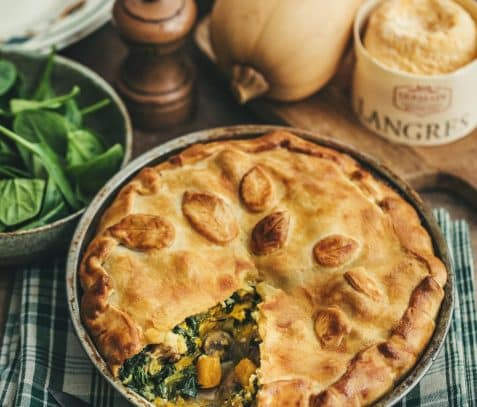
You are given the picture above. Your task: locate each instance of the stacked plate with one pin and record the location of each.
(32, 25)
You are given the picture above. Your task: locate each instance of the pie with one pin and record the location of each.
(260, 272)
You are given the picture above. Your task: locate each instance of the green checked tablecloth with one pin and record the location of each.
(40, 349)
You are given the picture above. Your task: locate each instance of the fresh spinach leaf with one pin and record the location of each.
(56, 213)
(8, 76)
(19, 105)
(43, 126)
(52, 208)
(82, 198)
(82, 147)
(21, 200)
(7, 154)
(4, 113)
(21, 89)
(33, 163)
(50, 161)
(95, 107)
(93, 174)
(52, 197)
(44, 90)
(73, 114)
(40, 126)
(9, 171)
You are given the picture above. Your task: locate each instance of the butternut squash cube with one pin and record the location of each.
(209, 371)
(244, 369)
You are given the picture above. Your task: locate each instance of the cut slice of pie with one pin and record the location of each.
(216, 351)
(268, 272)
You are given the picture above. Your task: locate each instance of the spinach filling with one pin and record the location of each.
(218, 367)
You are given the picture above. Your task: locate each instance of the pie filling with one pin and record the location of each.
(212, 361)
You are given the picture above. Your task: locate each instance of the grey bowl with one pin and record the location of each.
(112, 123)
(87, 226)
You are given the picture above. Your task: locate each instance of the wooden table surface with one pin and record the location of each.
(103, 51)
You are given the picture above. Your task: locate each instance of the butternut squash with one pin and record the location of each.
(283, 49)
(244, 369)
(209, 371)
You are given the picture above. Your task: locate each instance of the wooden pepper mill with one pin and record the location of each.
(156, 79)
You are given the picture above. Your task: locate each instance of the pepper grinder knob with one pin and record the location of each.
(156, 79)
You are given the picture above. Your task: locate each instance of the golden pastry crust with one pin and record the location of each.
(349, 282)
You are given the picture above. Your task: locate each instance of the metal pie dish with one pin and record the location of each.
(88, 224)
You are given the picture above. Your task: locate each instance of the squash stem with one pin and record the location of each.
(247, 83)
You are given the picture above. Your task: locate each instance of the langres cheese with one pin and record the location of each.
(427, 37)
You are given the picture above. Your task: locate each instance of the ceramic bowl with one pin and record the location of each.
(88, 224)
(420, 110)
(111, 122)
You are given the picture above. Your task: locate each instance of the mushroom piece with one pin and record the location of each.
(217, 343)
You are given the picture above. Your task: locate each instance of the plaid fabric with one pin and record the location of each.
(40, 349)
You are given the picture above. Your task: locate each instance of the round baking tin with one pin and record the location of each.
(88, 223)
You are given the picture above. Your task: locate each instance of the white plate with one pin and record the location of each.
(38, 25)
